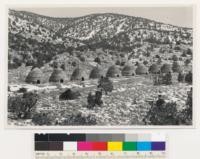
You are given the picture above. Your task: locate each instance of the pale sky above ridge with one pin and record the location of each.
(179, 16)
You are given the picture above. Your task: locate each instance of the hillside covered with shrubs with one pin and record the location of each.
(98, 69)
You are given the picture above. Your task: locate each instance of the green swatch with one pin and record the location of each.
(129, 146)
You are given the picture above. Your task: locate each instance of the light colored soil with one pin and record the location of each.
(127, 104)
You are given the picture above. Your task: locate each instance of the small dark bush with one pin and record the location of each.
(188, 77)
(94, 100)
(187, 62)
(145, 62)
(174, 58)
(167, 79)
(176, 67)
(98, 98)
(74, 64)
(22, 90)
(184, 54)
(82, 58)
(63, 66)
(181, 77)
(105, 84)
(189, 51)
(123, 63)
(97, 60)
(91, 101)
(118, 62)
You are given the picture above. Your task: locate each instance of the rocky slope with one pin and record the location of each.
(41, 37)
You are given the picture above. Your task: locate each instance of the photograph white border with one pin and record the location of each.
(94, 127)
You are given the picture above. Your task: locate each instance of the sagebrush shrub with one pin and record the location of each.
(188, 77)
(43, 118)
(94, 100)
(105, 84)
(80, 119)
(23, 106)
(165, 114)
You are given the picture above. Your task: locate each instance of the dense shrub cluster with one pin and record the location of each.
(23, 106)
(43, 118)
(162, 113)
(80, 119)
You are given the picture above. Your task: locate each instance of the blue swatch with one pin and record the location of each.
(144, 146)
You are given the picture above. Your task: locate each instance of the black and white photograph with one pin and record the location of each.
(100, 66)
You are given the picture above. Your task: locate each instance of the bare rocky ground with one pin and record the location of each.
(126, 105)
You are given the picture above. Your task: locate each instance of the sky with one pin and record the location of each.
(179, 16)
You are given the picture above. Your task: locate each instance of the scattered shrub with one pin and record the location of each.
(176, 67)
(188, 77)
(91, 101)
(157, 56)
(186, 114)
(97, 60)
(43, 118)
(162, 113)
(82, 58)
(184, 54)
(63, 67)
(118, 62)
(187, 62)
(94, 100)
(181, 77)
(55, 64)
(159, 61)
(80, 119)
(123, 63)
(174, 58)
(105, 84)
(165, 114)
(122, 55)
(74, 64)
(98, 98)
(22, 90)
(167, 79)
(23, 106)
(189, 51)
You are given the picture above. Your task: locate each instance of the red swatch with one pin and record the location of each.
(99, 146)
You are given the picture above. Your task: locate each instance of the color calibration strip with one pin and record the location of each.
(100, 145)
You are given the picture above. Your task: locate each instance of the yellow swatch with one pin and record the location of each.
(114, 146)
